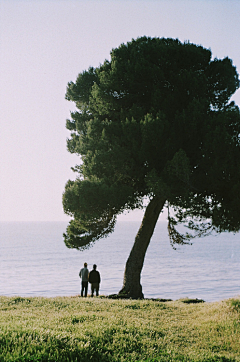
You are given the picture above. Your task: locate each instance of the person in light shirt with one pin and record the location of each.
(84, 275)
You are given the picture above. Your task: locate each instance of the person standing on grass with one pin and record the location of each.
(94, 279)
(84, 275)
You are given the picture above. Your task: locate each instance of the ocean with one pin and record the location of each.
(34, 261)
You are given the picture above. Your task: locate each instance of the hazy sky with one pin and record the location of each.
(44, 44)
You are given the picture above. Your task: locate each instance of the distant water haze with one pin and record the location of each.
(34, 261)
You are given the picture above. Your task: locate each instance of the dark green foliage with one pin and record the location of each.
(235, 304)
(156, 120)
(36, 348)
(220, 359)
(192, 301)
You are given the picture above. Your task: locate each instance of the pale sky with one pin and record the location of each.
(44, 44)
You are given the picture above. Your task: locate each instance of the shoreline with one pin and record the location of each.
(117, 297)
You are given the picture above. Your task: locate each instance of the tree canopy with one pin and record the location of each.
(155, 122)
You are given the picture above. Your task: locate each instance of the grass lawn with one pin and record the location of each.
(101, 329)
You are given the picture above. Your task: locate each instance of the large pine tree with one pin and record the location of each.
(155, 122)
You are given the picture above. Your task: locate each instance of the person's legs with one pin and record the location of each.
(82, 289)
(97, 289)
(95, 286)
(86, 288)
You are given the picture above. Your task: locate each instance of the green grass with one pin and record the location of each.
(106, 330)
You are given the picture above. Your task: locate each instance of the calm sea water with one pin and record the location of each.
(34, 261)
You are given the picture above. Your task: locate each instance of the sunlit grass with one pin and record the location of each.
(100, 329)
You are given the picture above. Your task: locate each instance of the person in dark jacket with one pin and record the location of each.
(94, 279)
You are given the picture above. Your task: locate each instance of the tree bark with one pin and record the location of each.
(131, 281)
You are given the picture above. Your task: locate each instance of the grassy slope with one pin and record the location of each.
(100, 329)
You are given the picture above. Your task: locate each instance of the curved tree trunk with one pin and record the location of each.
(131, 282)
